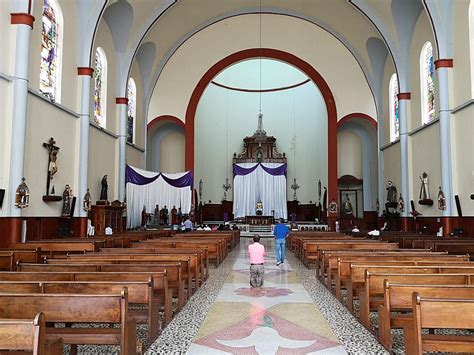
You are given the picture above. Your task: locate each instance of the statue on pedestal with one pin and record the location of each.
(87, 201)
(104, 188)
(391, 192)
(424, 191)
(67, 197)
(441, 200)
(156, 215)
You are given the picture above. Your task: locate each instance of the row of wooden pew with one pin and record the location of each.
(401, 288)
(129, 279)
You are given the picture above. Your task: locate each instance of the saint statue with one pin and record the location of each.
(67, 197)
(103, 191)
(424, 191)
(441, 200)
(401, 204)
(391, 192)
(347, 206)
(144, 218)
(174, 215)
(156, 215)
(179, 216)
(87, 201)
(165, 215)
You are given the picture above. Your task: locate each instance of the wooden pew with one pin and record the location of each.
(348, 268)
(27, 335)
(356, 279)
(441, 313)
(28, 256)
(372, 295)
(6, 261)
(139, 293)
(396, 311)
(77, 308)
(160, 282)
(173, 272)
(51, 248)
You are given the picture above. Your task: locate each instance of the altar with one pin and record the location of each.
(260, 220)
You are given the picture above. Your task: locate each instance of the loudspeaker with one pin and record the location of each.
(472, 197)
(412, 204)
(458, 205)
(73, 205)
(2, 195)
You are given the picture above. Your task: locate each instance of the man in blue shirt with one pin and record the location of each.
(280, 232)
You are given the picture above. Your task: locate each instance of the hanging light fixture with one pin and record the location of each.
(260, 129)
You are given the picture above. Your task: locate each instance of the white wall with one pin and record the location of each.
(224, 117)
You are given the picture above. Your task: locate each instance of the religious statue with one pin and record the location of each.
(424, 191)
(144, 218)
(391, 192)
(103, 190)
(441, 200)
(179, 216)
(401, 204)
(156, 215)
(259, 154)
(67, 197)
(259, 208)
(53, 155)
(87, 201)
(174, 216)
(347, 206)
(165, 215)
(22, 195)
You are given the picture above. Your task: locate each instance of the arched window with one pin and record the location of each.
(427, 83)
(393, 107)
(51, 40)
(100, 87)
(471, 41)
(132, 109)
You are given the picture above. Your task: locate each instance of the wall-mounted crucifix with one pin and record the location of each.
(52, 166)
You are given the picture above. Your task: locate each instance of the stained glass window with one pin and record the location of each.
(50, 50)
(427, 83)
(131, 110)
(100, 87)
(394, 109)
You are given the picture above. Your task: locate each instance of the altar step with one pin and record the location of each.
(260, 229)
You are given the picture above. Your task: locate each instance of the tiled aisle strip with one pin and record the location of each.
(292, 314)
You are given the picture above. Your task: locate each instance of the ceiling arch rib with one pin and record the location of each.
(440, 14)
(366, 69)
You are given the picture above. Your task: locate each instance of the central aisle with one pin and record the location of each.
(292, 313)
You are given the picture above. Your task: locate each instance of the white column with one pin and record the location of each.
(24, 23)
(380, 166)
(122, 103)
(442, 67)
(85, 75)
(403, 101)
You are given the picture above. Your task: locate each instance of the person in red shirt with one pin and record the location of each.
(256, 254)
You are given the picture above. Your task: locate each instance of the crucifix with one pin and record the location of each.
(52, 166)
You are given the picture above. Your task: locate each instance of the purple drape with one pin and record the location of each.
(131, 176)
(279, 170)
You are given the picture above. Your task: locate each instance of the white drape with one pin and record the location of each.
(158, 192)
(260, 186)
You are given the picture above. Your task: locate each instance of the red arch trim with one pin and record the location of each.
(285, 57)
(353, 115)
(166, 118)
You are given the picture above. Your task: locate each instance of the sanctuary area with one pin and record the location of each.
(150, 149)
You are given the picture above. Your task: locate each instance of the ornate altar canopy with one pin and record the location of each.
(260, 175)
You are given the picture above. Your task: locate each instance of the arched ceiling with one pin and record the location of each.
(163, 25)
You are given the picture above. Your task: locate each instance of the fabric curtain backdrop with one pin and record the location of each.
(148, 188)
(260, 182)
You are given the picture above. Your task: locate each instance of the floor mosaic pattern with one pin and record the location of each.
(291, 314)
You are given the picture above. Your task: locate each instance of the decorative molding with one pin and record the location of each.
(121, 101)
(388, 145)
(443, 63)
(135, 147)
(59, 106)
(165, 118)
(404, 96)
(463, 106)
(95, 125)
(85, 71)
(21, 18)
(422, 127)
(353, 115)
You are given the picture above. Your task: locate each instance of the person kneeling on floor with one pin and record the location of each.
(256, 254)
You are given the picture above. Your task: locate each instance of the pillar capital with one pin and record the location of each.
(21, 18)
(85, 71)
(404, 96)
(444, 63)
(121, 101)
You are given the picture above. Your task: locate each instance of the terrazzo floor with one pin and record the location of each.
(292, 313)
